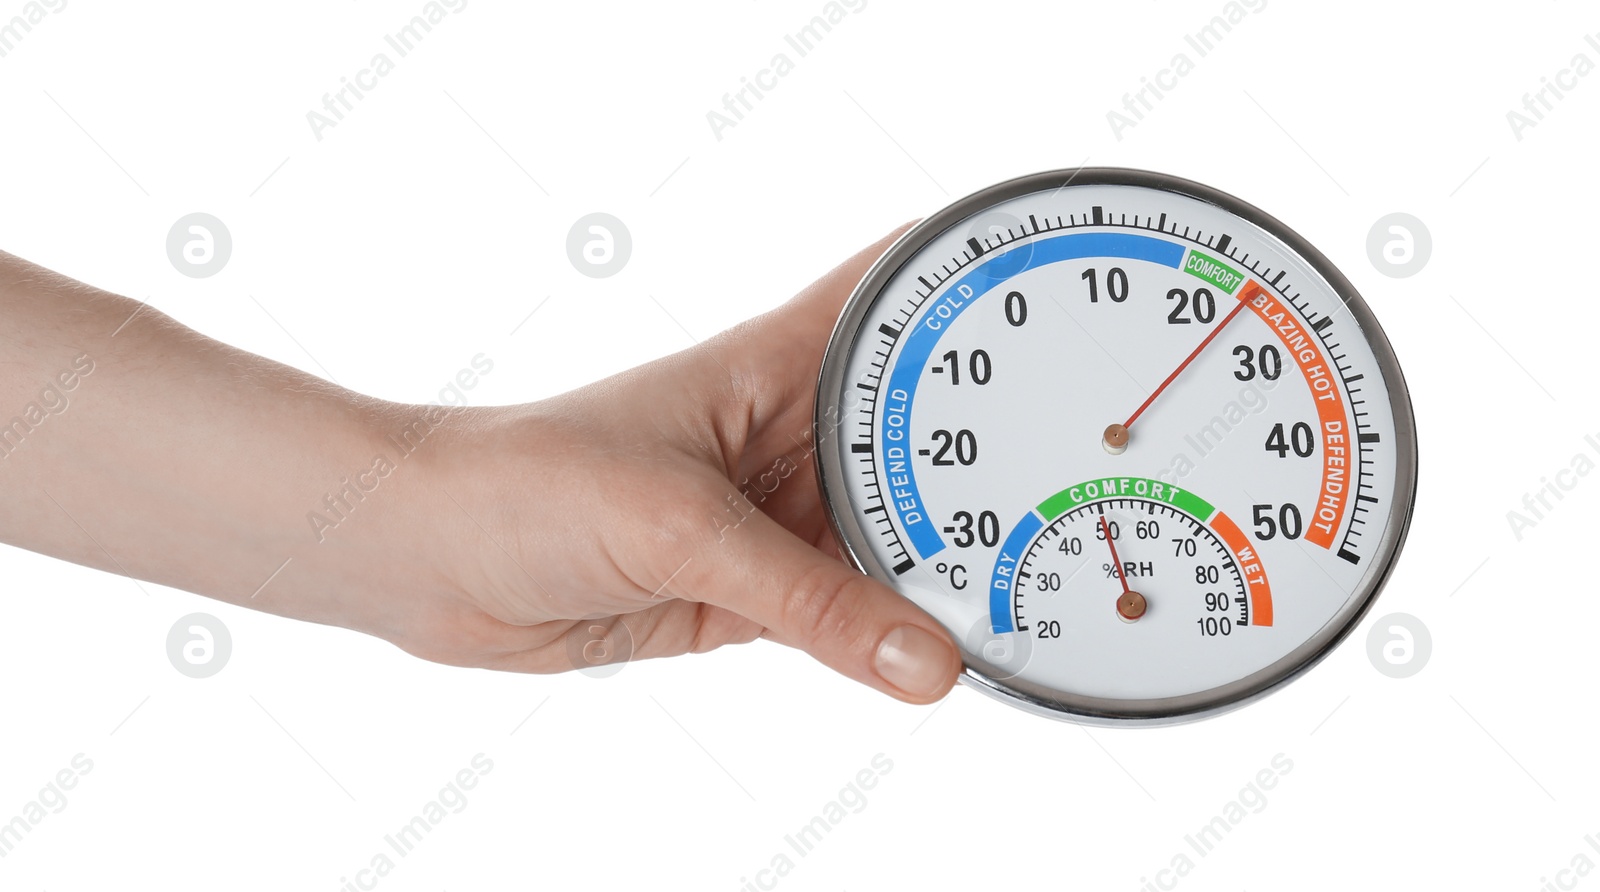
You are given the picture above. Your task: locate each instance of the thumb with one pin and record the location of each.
(846, 620)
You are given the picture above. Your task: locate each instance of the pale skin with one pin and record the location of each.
(186, 462)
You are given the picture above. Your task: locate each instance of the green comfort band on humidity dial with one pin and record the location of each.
(1139, 446)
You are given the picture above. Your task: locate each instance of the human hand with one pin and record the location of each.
(670, 509)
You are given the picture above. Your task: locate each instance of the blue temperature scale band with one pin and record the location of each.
(901, 481)
(1005, 570)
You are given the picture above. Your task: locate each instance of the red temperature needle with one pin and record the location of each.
(1116, 436)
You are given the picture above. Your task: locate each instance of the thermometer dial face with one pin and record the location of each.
(1140, 447)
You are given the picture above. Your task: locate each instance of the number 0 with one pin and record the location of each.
(1016, 309)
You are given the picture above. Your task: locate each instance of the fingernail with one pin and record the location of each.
(914, 660)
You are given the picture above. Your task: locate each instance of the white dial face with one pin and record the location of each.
(1129, 446)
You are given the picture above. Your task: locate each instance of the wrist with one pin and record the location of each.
(427, 511)
(372, 536)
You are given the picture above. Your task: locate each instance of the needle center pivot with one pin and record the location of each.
(1131, 606)
(1115, 439)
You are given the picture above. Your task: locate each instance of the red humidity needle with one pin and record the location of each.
(1105, 529)
(1239, 305)
(1131, 605)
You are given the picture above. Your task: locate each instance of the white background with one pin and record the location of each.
(425, 227)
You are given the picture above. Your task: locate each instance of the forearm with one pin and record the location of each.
(136, 445)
